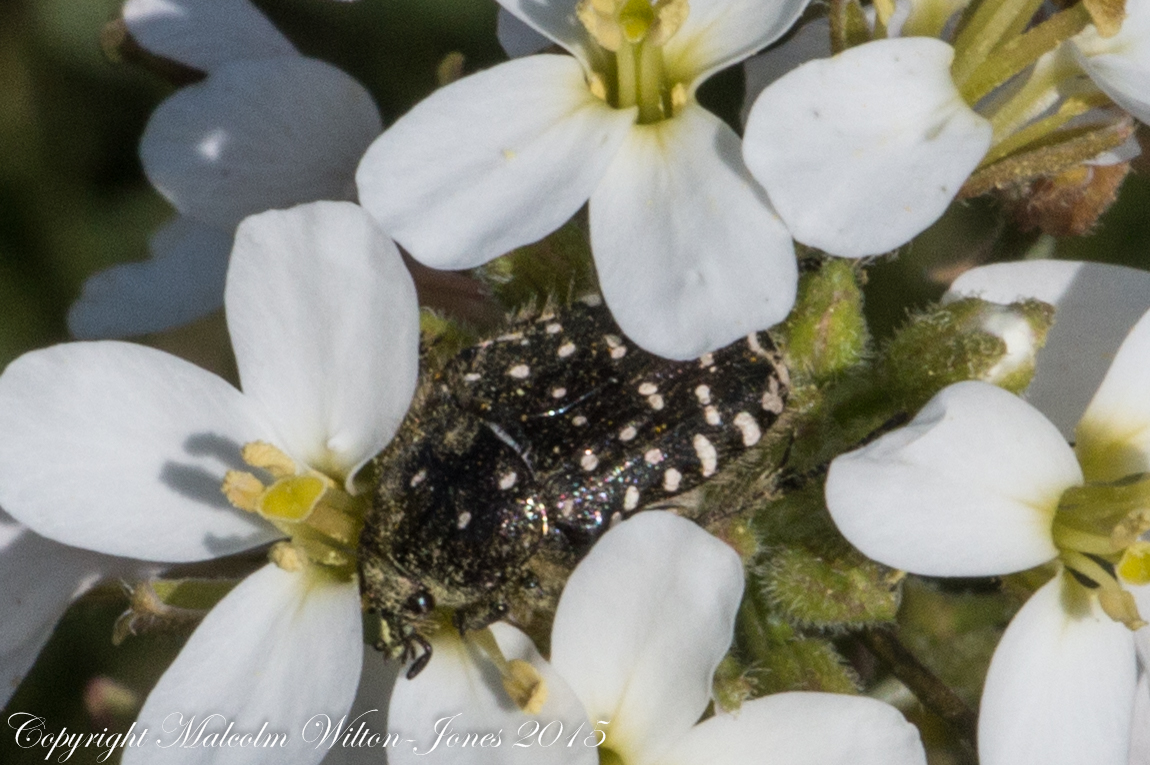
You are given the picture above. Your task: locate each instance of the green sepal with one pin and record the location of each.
(165, 605)
(810, 575)
(826, 332)
(782, 659)
(555, 269)
(202, 594)
(842, 592)
(732, 685)
(441, 338)
(1056, 152)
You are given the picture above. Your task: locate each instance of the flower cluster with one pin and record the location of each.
(378, 474)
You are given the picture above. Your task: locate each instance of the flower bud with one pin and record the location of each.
(969, 339)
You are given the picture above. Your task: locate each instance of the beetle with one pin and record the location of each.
(523, 449)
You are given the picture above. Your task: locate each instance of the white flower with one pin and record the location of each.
(862, 151)
(689, 253)
(267, 129)
(980, 483)
(641, 626)
(122, 449)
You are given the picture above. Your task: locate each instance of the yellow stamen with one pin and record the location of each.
(522, 681)
(525, 686)
(243, 490)
(263, 455)
(286, 556)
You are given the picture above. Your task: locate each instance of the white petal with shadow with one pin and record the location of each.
(259, 135)
(122, 449)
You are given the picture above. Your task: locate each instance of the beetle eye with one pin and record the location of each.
(420, 603)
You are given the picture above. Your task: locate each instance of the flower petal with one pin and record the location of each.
(491, 162)
(1081, 345)
(280, 649)
(122, 449)
(325, 324)
(460, 692)
(555, 20)
(804, 728)
(689, 252)
(968, 488)
(811, 41)
(643, 656)
(1113, 438)
(1140, 722)
(181, 282)
(41, 578)
(1060, 687)
(204, 35)
(370, 709)
(258, 135)
(861, 152)
(718, 33)
(1120, 65)
(517, 37)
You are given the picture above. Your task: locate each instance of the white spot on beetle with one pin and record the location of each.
(554, 328)
(566, 350)
(703, 393)
(706, 453)
(558, 392)
(519, 371)
(589, 461)
(463, 519)
(616, 519)
(591, 300)
(510, 337)
(628, 433)
(566, 507)
(472, 377)
(712, 416)
(618, 353)
(418, 478)
(648, 388)
(671, 480)
(508, 480)
(772, 401)
(655, 402)
(707, 360)
(749, 428)
(653, 456)
(631, 498)
(578, 420)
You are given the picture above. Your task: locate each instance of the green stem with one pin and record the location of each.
(934, 694)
